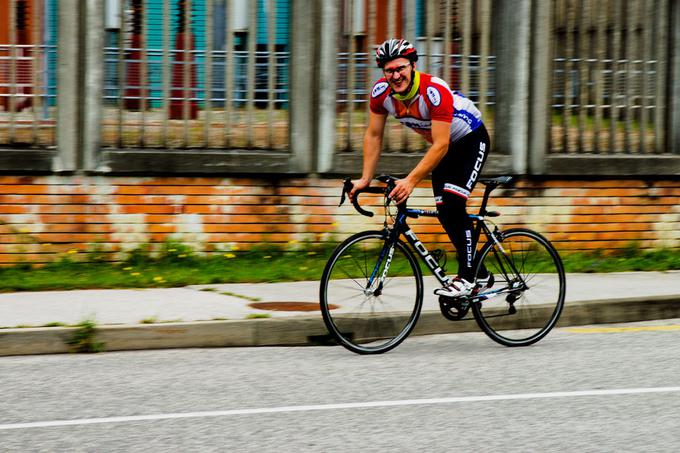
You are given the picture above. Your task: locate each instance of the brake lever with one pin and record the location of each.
(346, 188)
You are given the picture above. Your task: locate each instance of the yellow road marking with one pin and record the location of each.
(621, 329)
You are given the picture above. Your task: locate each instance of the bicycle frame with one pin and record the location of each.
(401, 227)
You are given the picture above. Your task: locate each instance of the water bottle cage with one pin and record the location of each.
(440, 256)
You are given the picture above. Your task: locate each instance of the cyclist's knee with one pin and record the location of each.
(452, 208)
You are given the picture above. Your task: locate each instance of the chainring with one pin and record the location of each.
(454, 308)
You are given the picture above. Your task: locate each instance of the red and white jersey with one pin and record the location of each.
(433, 101)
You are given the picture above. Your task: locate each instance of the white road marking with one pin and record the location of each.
(326, 407)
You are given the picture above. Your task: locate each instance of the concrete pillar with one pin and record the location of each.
(512, 36)
(69, 81)
(94, 82)
(328, 71)
(541, 73)
(302, 73)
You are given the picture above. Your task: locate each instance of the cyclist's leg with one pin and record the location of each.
(452, 181)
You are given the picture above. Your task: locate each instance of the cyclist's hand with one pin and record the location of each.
(402, 190)
(358, 184)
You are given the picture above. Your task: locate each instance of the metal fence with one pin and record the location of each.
(290, 79)
(196, 74)
(28, 61)
(453, 38)
(610, 76)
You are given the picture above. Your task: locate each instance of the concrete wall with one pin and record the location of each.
(42, 218)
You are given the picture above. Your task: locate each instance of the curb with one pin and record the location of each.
(300, 331)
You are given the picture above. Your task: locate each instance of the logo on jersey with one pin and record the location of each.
(434, 96)
(379, 89)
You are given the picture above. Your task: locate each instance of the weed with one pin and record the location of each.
(258, 315)
(54, 324)
(84, 339)
(149, 320)
(166, 268)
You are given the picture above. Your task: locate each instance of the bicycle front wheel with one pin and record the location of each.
(526, 300)
(369, 309)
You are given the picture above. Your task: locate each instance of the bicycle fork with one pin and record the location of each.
(386, 255)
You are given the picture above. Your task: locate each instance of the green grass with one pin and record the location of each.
(180, 267)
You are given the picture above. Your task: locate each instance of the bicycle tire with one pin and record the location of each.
(508, 314)
(368, 323)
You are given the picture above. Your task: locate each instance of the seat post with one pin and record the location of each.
(487, 191)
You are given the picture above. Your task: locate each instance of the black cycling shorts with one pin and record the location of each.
(459, 170)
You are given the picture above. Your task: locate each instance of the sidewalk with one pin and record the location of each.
(218, 315)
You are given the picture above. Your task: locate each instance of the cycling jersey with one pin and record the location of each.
(433, 101)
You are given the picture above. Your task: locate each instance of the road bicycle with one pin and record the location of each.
(371, 291)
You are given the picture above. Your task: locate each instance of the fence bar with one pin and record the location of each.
(616, 52)
(228, 71)
(12, 69)
(208, 88)
(166, 69)
(430, 27)
(674, 145)
(121, 72)
(36, 12)
(410, 34)
(645, 51)
(467, 46)
(446, 43)
(187, 94)
(568, 86)
(629, 68)
(662, 62)
(350, 71)
(144, 71)
(485, 34)
(583, 62)
(391, 19)
(387, 136)
(252, 58)
(371, 46)
(271, 71)
(600, 11)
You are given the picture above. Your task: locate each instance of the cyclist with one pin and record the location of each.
(459, 147)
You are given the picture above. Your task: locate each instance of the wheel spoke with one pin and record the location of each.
(538, 304)
(365, 322)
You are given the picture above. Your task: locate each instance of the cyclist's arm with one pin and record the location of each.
(437, 151)
(372, 147)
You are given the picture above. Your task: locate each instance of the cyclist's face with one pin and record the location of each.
(399, 73)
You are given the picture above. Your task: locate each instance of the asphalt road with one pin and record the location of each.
(580, 389)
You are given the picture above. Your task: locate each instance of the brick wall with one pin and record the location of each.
(42, 218)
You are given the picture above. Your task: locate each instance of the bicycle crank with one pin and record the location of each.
(453, 309)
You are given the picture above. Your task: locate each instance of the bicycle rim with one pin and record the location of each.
(369, 318)
(514, 314)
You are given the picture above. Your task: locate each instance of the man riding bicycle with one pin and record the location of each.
(459, 147)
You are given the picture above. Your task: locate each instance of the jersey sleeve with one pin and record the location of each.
(440, 100)
(378, 94)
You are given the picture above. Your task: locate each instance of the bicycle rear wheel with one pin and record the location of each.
(527, 297)
(363, 314)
